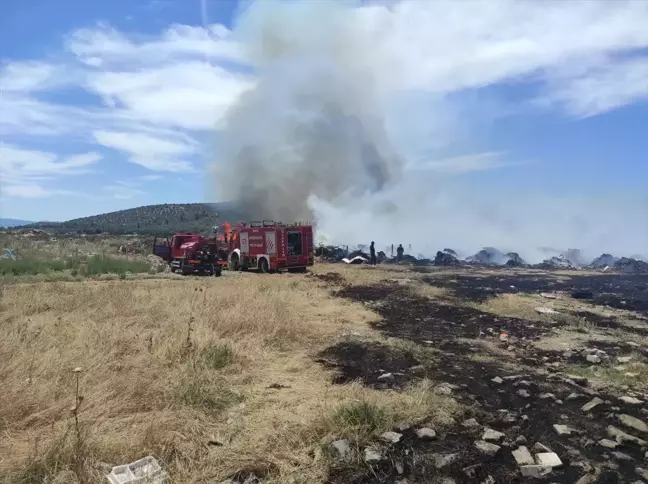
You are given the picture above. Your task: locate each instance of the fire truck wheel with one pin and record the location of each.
(263, 266)
(234, 263)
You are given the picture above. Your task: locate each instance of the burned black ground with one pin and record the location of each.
(535, 393)
(618, 291)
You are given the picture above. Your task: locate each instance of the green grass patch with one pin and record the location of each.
(218, 356)
(360, 418)
(211, 396)
(91, 266)
(633, 374)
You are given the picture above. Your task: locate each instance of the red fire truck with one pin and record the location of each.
(267, 246)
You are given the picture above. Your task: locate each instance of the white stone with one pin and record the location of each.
(492, 435)
(633, 422)
(487, 448)
(497, 380)
(536, 471)
(549, 459)
(631, 400)
(392, 437)
(372, 455)
(591, 404)
(523, 456)
(426, 433)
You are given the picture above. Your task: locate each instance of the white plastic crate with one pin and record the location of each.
(142, 471)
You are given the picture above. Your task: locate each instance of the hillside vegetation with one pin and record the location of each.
(151, 219)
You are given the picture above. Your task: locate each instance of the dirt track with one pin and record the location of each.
(536, 391)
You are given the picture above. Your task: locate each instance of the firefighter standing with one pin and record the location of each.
(399, 252)
(372, 253)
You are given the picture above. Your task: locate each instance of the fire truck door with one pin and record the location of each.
(271, 243)
(245, 243)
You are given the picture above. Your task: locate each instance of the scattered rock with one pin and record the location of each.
(624, 359)
(497, 380)
(608, 444)
(563, 429)
(643, 473)
(391, 437)
(426, 433)
(443, 389)
(543, 310)
(492, 435)
(621, 437)
(549, 459)
(443, 460)
(522, 456)
(521, 440)
(547, 396)
(622, 456)
(631, 400)
(524, 393)
(471, 471)
(372, 455)
(537, 471)
(593, 358)
(575, 396)
(400, 468)
(633, 422)
(386, 376)
(471, 423)
(487, 448)
(593, 403)
(342, 447)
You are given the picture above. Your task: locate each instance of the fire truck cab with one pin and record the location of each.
(268, 246)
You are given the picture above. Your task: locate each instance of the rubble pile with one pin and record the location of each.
(489, 256)
(445, 259)
(572, 259)
(631, 266)
(514, 260)
(603, 261)
(559, 262)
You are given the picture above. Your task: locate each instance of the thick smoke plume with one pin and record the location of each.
(344, 125)
(313, 123)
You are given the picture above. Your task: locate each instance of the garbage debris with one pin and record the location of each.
(556, 262)
(8, 254)
(358, 259)
(514, 260)
(603, 261)
(631, 266)
(445, 259)
(143, 470)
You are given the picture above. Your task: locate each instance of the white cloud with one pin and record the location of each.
(602, 88)
(468, 163)
(124, 190)
(18, 165)
(154, 153)
(37, 191)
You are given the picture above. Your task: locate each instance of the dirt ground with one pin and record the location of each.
(258, 378)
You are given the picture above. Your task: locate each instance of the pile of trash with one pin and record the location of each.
(603, 261)
(556, 262)
(446, 258)
(631, 266)
(571, 259)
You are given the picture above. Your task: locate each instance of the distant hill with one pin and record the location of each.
(13, 222)
(149, 220)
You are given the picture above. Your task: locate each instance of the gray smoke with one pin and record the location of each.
(313, 124)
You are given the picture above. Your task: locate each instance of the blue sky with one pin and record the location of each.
(111, 105)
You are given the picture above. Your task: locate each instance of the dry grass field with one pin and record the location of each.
(175, 368)
(247, 374)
